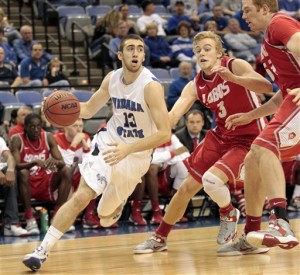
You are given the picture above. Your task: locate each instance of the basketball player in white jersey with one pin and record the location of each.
(122, 151)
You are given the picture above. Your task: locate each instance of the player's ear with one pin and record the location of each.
(119, 55)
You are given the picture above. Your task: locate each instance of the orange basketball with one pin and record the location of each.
(61, 108)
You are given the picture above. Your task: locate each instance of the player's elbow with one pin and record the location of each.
(165, 135)
(268, 88)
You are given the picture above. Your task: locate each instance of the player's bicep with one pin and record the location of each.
(243, 68)
(154, 97)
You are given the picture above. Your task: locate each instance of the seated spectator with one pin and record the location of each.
(290, 7)
(190, 8)
(33, 68)
(22, 112)
(192, 133)
(55, 76)
(230, 7)
(9, 192)
(179, 16)
(8, 74)
(242, 44)
(23, 45)
(182, 46)
(73, 144)
(149, 17)
(131, 25)
(10, 55)
(40, 168)
(168, 161)
(161, 54)
(220, 19)
(205, 6)
(177, 85)
(10, 32)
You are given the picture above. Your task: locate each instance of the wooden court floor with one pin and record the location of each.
(190, 251)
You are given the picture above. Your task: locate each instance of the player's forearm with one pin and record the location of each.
(153, 141)
(268, 108)
(258, 85)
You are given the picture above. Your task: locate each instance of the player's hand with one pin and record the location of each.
(295, 92)
(237, 120)
(118, 152)
(79, 137)
(224, 73)
(51, 164)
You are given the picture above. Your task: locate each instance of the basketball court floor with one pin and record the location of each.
(191, 250)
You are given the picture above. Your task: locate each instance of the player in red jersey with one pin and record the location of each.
(226, 87)
(280, 140)
(42, 173)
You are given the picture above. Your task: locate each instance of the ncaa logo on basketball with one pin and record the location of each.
(69, 106)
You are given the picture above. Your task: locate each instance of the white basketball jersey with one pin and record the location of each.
(131, 118)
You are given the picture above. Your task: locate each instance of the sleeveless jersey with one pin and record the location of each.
(131, 118)
(30, 153)
(281, 65)
(225, 98)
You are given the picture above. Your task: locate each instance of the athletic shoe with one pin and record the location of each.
(279, 233)
(35, 259)
(157, 216)
(154, 244)
(14, 230)
(71, 228)
(136, 217)
(32, 227)
(239, 248)
(91, 222)
(228, 227)
(109, 222)
(294, 205)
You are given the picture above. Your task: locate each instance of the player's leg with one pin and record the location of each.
(279, 232)
(254, 195)
(175, 211)
(63, 219)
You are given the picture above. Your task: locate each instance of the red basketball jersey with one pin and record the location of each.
(30, 152)
(225, 98)
(281, 65)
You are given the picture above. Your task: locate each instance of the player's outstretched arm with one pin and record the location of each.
(97, 101)
(243, 74)
(267, 109)
(183, 103)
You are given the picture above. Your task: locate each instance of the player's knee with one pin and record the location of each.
(211, 182)
(189, 188)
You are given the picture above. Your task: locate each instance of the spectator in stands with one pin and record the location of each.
(230, 7)
(22, 112)
(190, 8)
(54, 74)
(242, 44)
(177, 85)
(167, 161)
(40, 168)
(131, 25)
(33, 68)
(10, 55)
(205, 6)
(24, 45)
(9, 192)
(149, 17)
(290, 7)
(161, 55)
(9, 31)
(179, 16)
(8, 74)
(73, 144)
(192, 133)
(220, 19)
(182, 46)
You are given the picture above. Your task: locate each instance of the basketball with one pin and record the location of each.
(61, 108)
